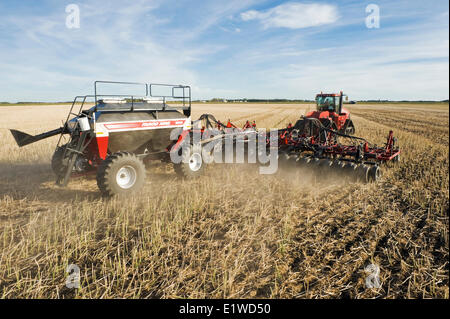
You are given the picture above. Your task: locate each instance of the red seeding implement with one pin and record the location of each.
(311, 143)
(118, 135)
(323, 140)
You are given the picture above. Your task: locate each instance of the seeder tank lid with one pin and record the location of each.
(137, 106)
(107, 101)
(122, 101)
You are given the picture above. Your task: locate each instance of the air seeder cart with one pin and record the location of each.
(116, 136)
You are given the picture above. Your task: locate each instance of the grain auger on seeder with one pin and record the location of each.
(316, 145)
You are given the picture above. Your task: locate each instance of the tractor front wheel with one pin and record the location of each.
(121, 173)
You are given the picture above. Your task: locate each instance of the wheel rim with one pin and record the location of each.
(195, 162)
(126, 177)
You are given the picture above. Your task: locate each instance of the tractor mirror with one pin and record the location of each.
(346, 98)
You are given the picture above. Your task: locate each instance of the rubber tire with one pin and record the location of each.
(183, 169)
(350, 171)
(374, 173)
(349, 128)
(107, 171)
(362, 173)
(57, 160)
(350, 131)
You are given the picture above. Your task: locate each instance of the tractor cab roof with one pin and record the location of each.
(328, 94)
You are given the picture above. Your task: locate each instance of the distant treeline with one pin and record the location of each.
(221, 100)
(402, 101)
(28, 103)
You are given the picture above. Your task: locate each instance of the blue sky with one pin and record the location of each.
(231, 49)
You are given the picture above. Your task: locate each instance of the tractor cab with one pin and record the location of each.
(329, 102)
(329, 111)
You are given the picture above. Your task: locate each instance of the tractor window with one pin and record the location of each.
(326, 103)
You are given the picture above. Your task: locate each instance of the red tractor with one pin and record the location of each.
(323, 140)
(331, 113)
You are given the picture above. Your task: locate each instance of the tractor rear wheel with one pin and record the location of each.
(121, 173)
(191, 164)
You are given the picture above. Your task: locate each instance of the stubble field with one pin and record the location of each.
(233, 233)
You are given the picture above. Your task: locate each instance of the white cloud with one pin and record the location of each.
(411, 63)
(294, 15)
(118, 42)
(251, 15)
(142, 42)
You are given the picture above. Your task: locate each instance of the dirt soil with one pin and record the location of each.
(233, 233)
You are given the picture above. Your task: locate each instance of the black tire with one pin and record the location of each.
(374, 173)
(362, 173)
(121, 173)
(349, 127)
(191, 164)
(57, 160)
(350, 171)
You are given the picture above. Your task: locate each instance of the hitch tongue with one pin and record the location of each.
(23, 138)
